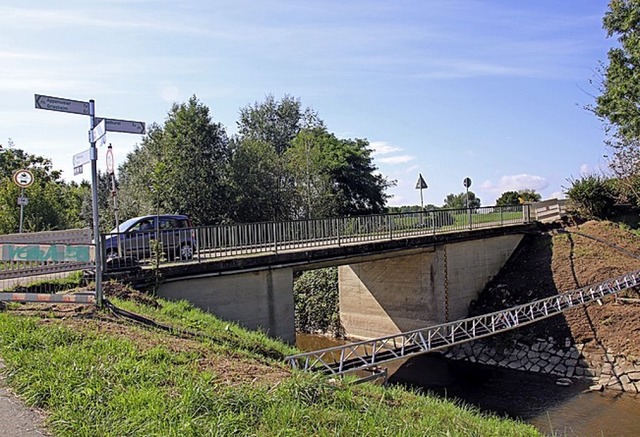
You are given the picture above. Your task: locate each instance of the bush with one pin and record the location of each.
(315, 294)
(592, 197)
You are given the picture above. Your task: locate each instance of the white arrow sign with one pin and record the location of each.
(97, 133)
(62, 105)
(82, 158)
(124, 126)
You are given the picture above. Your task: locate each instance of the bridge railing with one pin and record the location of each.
(272, 237)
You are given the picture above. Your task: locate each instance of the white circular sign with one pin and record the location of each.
(23, 178)
(109, 160)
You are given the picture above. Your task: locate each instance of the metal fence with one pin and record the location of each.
(210, 242)
(34, 266)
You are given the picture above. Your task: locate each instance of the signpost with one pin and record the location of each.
(421, 185)
(62, 105)
(97, 131)
(23, 179)
(467, 183)
(123, 126)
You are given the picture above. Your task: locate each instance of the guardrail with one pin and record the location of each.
(201, 243)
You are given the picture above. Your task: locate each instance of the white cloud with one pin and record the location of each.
(585, 169)
(515, 183)
(399, 159)
(557, 195)
(382, 148)
(169, 93)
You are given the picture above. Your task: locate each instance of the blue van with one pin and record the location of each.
(133, 237)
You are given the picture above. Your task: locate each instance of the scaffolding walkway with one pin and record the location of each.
(370, 354)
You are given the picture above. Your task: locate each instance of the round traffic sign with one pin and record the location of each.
(466, 182)
(23, 178)
(109, 160)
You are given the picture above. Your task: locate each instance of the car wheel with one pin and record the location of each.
(186, 251)
(111, 254)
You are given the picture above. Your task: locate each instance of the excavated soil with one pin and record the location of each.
(568, 258)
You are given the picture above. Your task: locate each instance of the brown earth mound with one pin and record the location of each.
(561, 260)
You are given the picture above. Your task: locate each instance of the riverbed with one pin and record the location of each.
(531, 397)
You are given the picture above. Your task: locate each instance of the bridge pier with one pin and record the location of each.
(260, 300)
(397, 294)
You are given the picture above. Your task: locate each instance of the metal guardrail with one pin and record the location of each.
(369, 353)
(242, 239)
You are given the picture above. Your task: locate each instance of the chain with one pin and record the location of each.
(446, 286)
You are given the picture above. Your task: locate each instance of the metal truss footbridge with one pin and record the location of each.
(370, 354)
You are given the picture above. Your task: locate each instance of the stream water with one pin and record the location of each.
(532, 398)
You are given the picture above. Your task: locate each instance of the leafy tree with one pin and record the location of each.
(256, 191)
(618, 103)
(336, 176)
(518, 197)
(276, 122)
(315, 295)
(193, 155)
(53, 205)
(460, 200)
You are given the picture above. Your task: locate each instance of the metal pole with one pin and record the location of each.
(21, 208)
(93, 152)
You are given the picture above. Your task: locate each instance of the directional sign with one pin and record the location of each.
(98, 132)
(62, 105)
(82, 158)
(23, 178)
(124, 126)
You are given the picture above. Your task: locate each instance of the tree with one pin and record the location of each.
(335, 177)
(592, 197)
(460, 200)
(509, 198)
(256, 189)
(190, 154)
(276, 122)
(618, 104)
(53, 204)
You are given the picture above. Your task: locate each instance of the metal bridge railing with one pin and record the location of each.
(222, 241)
(370, 353)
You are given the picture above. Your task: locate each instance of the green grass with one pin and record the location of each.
(98, 382)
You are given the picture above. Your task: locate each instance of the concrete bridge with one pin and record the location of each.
(397, 272)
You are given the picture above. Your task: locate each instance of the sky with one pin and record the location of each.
(490, 90)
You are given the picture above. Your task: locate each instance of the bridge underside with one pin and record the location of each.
(399, 294)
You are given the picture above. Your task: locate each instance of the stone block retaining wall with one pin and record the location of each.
(603, 368)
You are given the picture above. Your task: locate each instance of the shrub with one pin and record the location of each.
(592, 197)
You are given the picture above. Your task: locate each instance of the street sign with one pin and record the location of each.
(62, 105)
(420, 183)
(77, 170)
(98, 133)
(124, 126)
(110, 160)
(23, 178)
(82, 158)
(23, 201)
(466, 182)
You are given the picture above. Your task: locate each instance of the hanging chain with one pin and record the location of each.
(446, 287)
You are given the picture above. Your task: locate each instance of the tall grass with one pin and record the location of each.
(95, 381)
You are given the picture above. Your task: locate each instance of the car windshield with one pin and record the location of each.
(124, 226)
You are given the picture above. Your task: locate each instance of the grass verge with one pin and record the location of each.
(98, 375)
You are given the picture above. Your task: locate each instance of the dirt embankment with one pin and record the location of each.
(566, 259)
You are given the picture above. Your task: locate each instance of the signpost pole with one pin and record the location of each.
(21, 209)
(94, 198)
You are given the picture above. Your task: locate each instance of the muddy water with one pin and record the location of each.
(532, 398)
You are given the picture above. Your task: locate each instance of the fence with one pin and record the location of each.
(29, 262)
(210, 242)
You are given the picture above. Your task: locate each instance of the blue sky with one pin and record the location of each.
(491, 90)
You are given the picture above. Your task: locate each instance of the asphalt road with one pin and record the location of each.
(16, 419)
